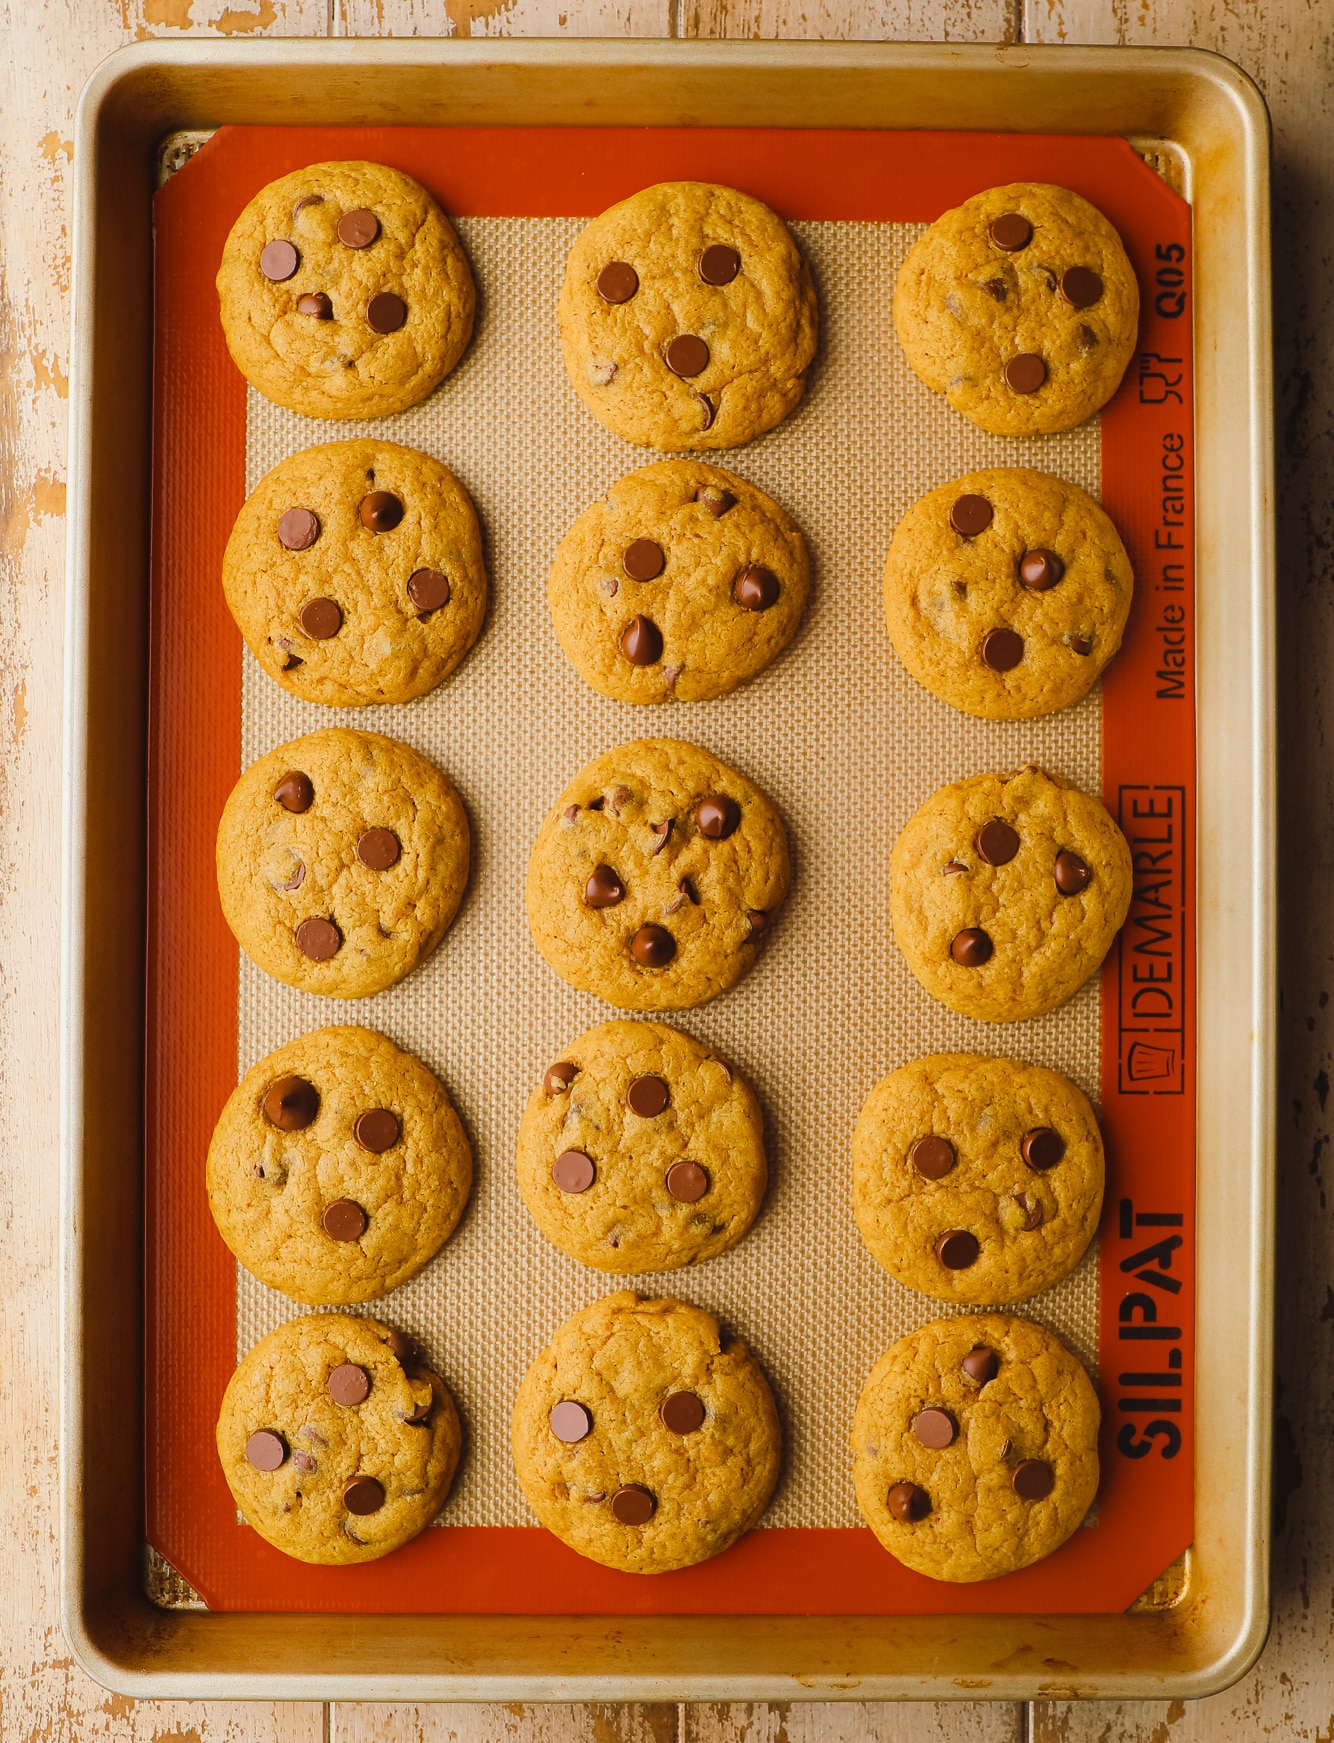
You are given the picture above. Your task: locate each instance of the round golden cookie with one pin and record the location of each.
(975, 1446)
(355, 573)
(1021, 307)
(977, 1180)
(336, 1449)
(344, 292)
(1007, 592)
(678, 585)
(641, 1439)
(338, 1167)
(342, 858)
(655, 876)
(688, 317)
(1006, 893)
(640, 1150)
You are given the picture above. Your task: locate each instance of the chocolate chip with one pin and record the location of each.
(707, 406)
(573, 1171)
(1039, 570)
(1033, 1479)
(303, 1461)
(997, 843)
(318, 939)
(908, 1503)
(381, 511)
(298, 529)
(1025, 373)
(633, 1504)
(386, 313)
(1032, 1211)
(402, 1346)
(1080, 644)
(378, 849)
(661, 831)
(687, 355)
(756, 588)
(1071, 873)
(316, 305)
(420, 1414)
(603, 889)
(682, 1412)
(1086, 336)
(718, 816)
(981, 1364)
(957, 1249)
(715, 500)
(971, 947)
(570, 1421)
(647, 1096)
(687, 1182)
(348, 1384)
(1002, 649)
(932, 1157)
(428, 589)
(358, 229)
(643, 560)
(363, 1495)
(934, 1428)
(758, 921)
(344, 1220)
(307, 200)
(295, 792)
(291, 1104)
(377, 1130)
(971, 515)
(1011, 231)
(997, 288)
(559, 1078)
(641, 642)
(719, 264)
(321, 619)
(278, 261)
(952, 868)
(266, 1450)
(617, 282)
(653, 946)
(1042, 1148)
(1081, 287)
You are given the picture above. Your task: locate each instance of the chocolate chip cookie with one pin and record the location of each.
(338, 1167)
(344, 292)
(1021, 307)
(642, 1438)
(342, 858)
(975, 1447)
(1006, 893)
(337, 1444)
(355, 573)
(688, 317)
(640, 1150)
(977, 1180)
(678, 585)
(656, 876)
(1007, 592)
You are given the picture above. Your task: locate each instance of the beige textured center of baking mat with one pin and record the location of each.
(835, 732)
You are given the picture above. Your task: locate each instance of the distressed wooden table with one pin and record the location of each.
(49, 49)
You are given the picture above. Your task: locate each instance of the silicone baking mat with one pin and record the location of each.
(835, 732)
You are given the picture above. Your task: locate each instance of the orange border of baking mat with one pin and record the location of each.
(1145, 1517)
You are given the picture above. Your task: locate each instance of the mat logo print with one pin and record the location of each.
(1157, 1391)
(1151, 968)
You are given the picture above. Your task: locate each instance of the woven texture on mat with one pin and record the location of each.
(837, 734)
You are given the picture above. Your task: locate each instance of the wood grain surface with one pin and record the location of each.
(1288, 47)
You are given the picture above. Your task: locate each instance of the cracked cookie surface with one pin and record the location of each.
(342, 858)
(1018, 614)
(680, 583)
(964, 1477)
(1007, 891)
(669, 357)
(655, 876)
(1021, 307)
(339, 1117)
(669, 1143)
(977, 1180)
(384, 535)
(336, 1450)
(644, 1440)
(344, 292)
